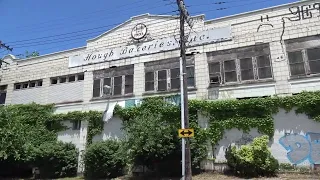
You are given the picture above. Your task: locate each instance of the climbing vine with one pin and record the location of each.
(93, 118)
(227, 114)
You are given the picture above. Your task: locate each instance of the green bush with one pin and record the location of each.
(55, 159)
(252, 160)
(104, 160)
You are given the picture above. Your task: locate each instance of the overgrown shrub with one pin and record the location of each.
(55, 160)
(252, 160)
(104, 160)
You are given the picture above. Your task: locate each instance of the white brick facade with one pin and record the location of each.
(273, 27)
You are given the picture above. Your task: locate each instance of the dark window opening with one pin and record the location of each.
(96, 88)
(3, 96)
(17, 86)
(80, 77)
(54, 81)
(190, 77)
(128, 84)
(39, 83)
(314, 60)
(230, 71)
(175, 78)
(149, 82)
(117, 87)
(264, 67)
(76, 125)
(296, 63)
(246, 67)
(25, 85)
(72, 78)
(32, 84)
(63, 79)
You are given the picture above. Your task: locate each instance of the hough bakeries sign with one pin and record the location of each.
(165, 44)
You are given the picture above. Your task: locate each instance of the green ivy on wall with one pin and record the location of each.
(94, 119)
(227, 114)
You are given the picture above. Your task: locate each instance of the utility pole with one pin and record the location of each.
(2, 45)
(186, 160)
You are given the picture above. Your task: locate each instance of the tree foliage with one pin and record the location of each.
(252, 160)
(104, 160)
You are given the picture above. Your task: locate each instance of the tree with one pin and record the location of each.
(29, 55)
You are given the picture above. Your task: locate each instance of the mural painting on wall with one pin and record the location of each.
(301, 148)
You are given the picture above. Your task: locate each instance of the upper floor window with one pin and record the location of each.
(120, 81)
(67, 78)
(29, 84)
(304, 62)
(239, 65)
(303, 56)
(3, 94)
(164, 75)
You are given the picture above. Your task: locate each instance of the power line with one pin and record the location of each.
(152, 22)
(94, 12)
(58, 26)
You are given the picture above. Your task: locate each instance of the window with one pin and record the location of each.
(239, 65)
(3, 94)
(39, 83)
(128, 84)
(68, 78)
(80, 77)
(246, 69)
(96, 88)
(29, 84)
(149, 81)
(25, 85)
(165, 84)
(54, 81)
(33, 84)
(296, 63)
(264, 67)
(175, 78)
(117, 87)
(76, 125)
(63, 79)
(230, 73)
(162, 80)
(120, 81)
(72, 78)
(214, 73)
(17, 86)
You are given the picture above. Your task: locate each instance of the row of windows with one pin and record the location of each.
(29, 84)
(240, 70)
(68, 78)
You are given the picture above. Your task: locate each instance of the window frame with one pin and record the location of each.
(66, 79)
(28, 83)
(168, 80)
(238, 70)
(76, 125)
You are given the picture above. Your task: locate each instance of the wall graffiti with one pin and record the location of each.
(301, 148)
(264, 19)
(303, 12)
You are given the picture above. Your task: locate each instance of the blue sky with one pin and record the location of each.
(66, 24)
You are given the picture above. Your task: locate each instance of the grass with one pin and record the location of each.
(215, 176)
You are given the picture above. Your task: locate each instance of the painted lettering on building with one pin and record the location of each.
(301, 148)
(155, 46)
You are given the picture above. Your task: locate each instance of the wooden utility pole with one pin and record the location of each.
(186, 161)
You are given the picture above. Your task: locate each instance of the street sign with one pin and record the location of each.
(186, 133)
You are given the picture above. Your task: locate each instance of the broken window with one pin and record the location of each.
(296, 63)
(119, 81)
(238, 65)
(164, 75)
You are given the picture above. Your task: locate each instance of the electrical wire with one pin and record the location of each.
(119, 14)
